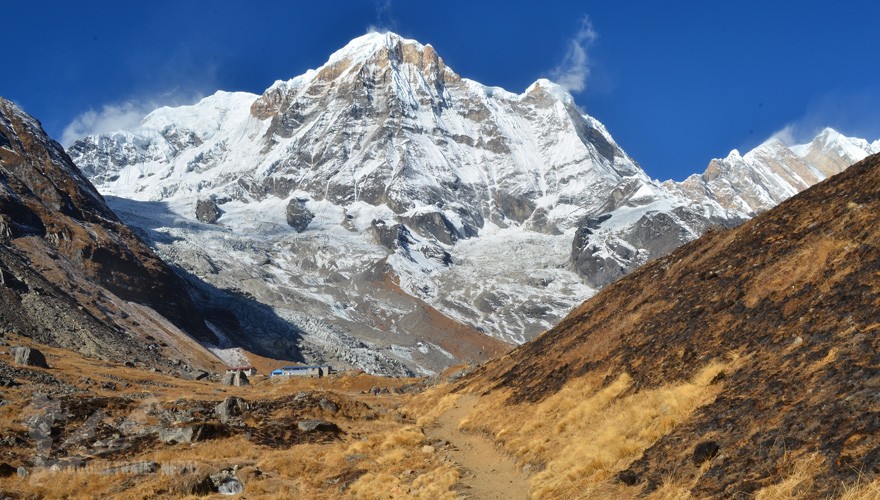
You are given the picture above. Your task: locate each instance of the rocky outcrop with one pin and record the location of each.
(28, 356)
(208, 212)
(436, 226)
(604, 250)
(230, 408)
(298, 216)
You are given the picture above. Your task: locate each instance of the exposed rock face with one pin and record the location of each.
(72, 273)
(208, 212)
(28, 356)
(298, 216)
(792, 292)
(436, 226)
(602, 255)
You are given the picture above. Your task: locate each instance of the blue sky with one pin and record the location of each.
(676, 82)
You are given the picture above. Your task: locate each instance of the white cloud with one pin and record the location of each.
(119, 116)
(574, 69)
(385, 20)
(787, 135)
(110, 118)
(850, 113)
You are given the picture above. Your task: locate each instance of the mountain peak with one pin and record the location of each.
(364, 47)
(551, 88)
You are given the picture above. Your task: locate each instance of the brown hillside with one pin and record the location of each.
(747, 362)
(71, 273)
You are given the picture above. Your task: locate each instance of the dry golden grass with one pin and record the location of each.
(797, 483)
(584, 434)
(431, 404)
(862, 490)
(375, 444)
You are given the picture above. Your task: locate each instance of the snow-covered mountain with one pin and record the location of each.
(772, 172)
(397, 214)
(654, 220)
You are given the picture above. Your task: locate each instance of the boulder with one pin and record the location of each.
(328, 406)
(237, 379)
(208, 212)
(230, 407)
(174, 435)
(705, 451)
(316, 425)
(224, 482)
(230, 485)
(298, 216)
(28, 356)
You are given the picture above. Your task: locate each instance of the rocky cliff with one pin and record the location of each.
(71, 273)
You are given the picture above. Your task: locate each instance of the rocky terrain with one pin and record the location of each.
(72, 274)
(82, 427)
(374, 205)
(744, 363)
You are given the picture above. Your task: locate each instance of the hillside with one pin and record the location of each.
(72, 274)
(745, 362)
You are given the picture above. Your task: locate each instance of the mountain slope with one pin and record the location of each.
(383, 157)
(385, 162)
(745, 360)
(72, 273)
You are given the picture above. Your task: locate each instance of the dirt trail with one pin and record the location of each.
(487, 473)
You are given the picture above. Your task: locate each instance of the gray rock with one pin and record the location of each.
(174, 435)
(433, 225)
(208, 212)
(22, 472)
(328, 405)
(391, 236)
(224, 482)
(316, 425)
(298, 216)
(237, 379)
(231, 407)
(198, 375)
(28, 356)
(230, 485)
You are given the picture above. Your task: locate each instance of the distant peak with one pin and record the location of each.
(827, 132)
(551, 88)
